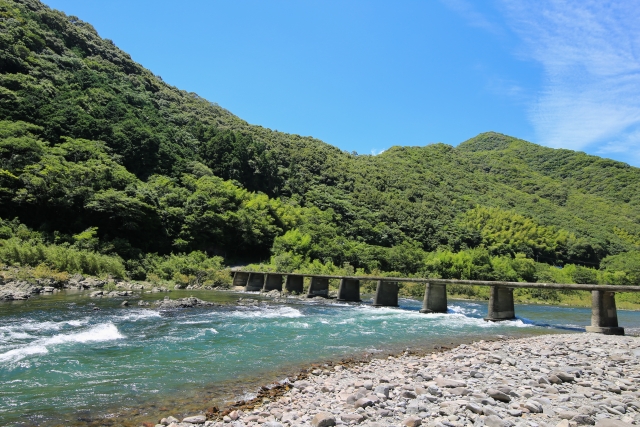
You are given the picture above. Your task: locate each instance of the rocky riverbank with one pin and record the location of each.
(551, 380)
(11, 290)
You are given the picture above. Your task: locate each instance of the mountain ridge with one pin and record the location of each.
(88, 134)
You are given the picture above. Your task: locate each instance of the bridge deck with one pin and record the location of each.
(604, 317)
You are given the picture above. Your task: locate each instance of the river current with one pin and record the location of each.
(64, 363)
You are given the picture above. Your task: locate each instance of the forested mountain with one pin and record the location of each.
(98, 153)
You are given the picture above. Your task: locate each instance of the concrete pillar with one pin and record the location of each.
(386, 294)
(240, 278)
(255, 282)
(604, 317)
(319, 287)
(349, 290)
(294, 284)
(435, 298)
(500, 305)
(272, 281)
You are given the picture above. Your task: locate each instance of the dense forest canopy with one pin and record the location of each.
(92, 144)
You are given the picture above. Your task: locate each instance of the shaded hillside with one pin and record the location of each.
(91, 142)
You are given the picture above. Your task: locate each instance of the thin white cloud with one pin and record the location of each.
(375, 151)
(590, 53)
(467, 10)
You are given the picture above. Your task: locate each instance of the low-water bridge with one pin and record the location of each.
(604, 316)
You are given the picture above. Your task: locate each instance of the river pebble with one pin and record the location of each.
(567, 380)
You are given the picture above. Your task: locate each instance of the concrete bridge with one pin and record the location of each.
(604, 316)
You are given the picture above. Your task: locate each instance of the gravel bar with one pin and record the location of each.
(566, 380)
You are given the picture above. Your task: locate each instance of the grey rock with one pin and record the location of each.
(608, 422)
(533, 406)
(272, 424)
(382, 389)
(409, 394)
(412, 421)
(582, 419)
(460, 391)
(554, 379)
(432, 389)
(495, 421)
(488, 411)
(196, 419)
(587, 410)
(323, 419)
(566, 415)
(363, 403)
(188, 302)
(348, 418)
(498, 395)
(448, 383)
(565, 377)
(474, 407)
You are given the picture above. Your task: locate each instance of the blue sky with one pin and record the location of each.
(367, 75)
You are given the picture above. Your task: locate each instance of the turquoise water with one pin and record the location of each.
(63, 363)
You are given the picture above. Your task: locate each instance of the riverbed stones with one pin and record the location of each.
(567, 380)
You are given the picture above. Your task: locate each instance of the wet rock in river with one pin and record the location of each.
(188, 302)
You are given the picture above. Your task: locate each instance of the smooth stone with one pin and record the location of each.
(323, 419)
(448, 383)
(348, 418)
(565, 377)
(196, 419)
(474, 407)
(460, 391)
(514, 412)
(498, 395)
(363, 403)
(412, 422)
(566, 415)
(495, 421)
(608, 422)
(533, 407)
(488, 411)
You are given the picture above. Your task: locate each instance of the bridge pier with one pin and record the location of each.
(386, 294)
(272, 281)
(349, 290)
(255, 282)
(435, 298)
(319, 287)
(604, 316)
(500, 305)
(240, 278)
(294, 284)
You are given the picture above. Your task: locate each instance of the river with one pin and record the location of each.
(64, 363)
